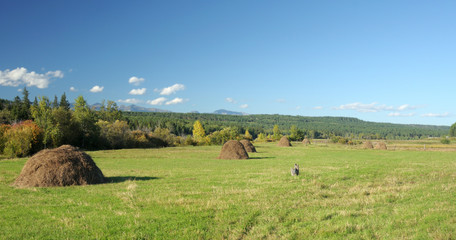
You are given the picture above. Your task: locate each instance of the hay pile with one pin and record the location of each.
(233, 150)
(63, 166)
(368, 145)
(381, 146)
(284, 142)
(248, 146)
(306, 141)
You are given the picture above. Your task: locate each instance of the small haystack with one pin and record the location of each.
(368, 145)
(63, 166)
(306, 141)
(248, 145)
(284, 142)
(381, 146)
(233, 150)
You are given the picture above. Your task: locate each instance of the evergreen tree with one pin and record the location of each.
(64, 102)
(35, 102)
(25, 111)
(55, 104)
(16, 107)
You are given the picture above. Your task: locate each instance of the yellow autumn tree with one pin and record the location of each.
(247, 135)
(198, 131)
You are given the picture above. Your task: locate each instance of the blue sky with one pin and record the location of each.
(382, 61)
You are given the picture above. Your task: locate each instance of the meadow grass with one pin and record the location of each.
(187, 193)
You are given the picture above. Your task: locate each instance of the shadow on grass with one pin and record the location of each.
(260, 157)
(128, 178)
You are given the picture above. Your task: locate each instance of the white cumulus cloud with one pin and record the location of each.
(158, 101)
(73, 89)
(175, 101)
(97, 89)
(21, 76)
(318, 107)
(173, 89)
(244, 106)
(135, 80)
(139, 91)
(130, 101)
(361, 107)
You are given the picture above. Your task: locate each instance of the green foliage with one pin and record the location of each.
(276, 133)
(114, 135)
(261, 138)
(312, 127)
(109, 112)
(66, 126)
(222, 136)
(43, 118)
(23, 139)
(296, 134)
(64, 102)
(445, 141)
(453, 130)
(86, 120)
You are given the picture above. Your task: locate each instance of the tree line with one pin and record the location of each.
(28, 126)
(312, 127)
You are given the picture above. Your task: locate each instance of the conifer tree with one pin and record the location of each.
(64, 102)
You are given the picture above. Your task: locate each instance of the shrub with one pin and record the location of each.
(445, 141)
(114, 135)
(23, 139)
(3, 129)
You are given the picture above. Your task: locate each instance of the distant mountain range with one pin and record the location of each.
(227, 112)
(134, 108)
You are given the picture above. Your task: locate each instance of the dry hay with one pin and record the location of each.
(284, 142)
(368, 145)
(381, 145)
(248, 145)
(233, 150)
(63, 166)
(306, 141)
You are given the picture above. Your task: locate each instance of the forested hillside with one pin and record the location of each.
(313, 127)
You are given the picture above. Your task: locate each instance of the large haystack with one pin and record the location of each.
(248, 145)
(63, 166)
(368, 145)
(233, 150)
(284, 142)
(381, 146)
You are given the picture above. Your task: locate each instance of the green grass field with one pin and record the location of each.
(186, 193)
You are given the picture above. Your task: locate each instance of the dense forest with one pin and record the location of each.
(28, 126)
(312, 127)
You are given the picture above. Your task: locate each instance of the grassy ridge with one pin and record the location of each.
(186, 193)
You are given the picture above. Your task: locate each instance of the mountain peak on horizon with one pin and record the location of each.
(227, 112)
